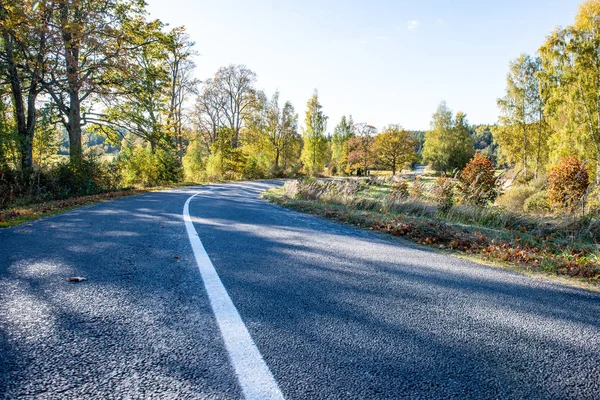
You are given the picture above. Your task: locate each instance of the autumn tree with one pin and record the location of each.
(315, 142)
(448, 145)
(361, 154)
(394, 148)
(571, 62)
(477, 182)
(342, 133)
(568, 182)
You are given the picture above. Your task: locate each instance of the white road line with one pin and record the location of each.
(253, 374)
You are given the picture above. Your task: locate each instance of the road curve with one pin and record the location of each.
(336, 312)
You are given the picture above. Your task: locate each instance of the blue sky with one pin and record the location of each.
(380, 61)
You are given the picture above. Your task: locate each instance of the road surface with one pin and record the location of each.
(334, 312)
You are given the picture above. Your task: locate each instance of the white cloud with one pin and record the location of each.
(381, 37)
(413, 24)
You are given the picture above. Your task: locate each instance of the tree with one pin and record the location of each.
(142, 104)
(361, 154)
(395, 147)
(571, 62)
(235, 85)
(282, 127)
(180, 50)
(448, 145)
(339, 144)
(88, 42)
(523, 134)
(24, 53)
(208, 113)
(315, 143)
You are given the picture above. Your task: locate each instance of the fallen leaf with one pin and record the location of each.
(76, 279)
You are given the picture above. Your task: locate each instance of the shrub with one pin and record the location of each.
(142, 167)
(537, 203)
(399, 189)
(477, 183)
(514, 198)
(84, 176)
(194, 162)
(253, 169)
(568, 182)
(416, 191)
(442, 193)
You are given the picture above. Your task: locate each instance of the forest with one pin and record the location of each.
(96, 97)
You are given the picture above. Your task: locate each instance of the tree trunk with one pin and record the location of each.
(525, 152)
(25, 145)
(277, 159)
(71, 58)
(74, 127)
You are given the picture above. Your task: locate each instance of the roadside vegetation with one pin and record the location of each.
(448, 213)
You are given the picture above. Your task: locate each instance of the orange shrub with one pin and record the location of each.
(568, 182)
(477, 183)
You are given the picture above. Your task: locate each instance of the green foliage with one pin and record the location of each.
(254, 169)
(314, 151)
(567, 184)
(537, 203)
(342, 133)
(523, 134)
(448, 146)
(477, 183)
(141, 166)
(194, 162)
(47, 139)
(77, 177)
(514, 198)
(571, 75)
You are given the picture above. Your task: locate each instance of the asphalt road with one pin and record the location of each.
(336, 312)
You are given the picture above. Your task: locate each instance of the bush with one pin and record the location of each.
(537, 203)
(253, 169)
(194, 163)
(442, 193)
(477, 183)
(417, 189)
(65, 179)
(399, 189)
(85, 176)
(142, 167)
(567, 184)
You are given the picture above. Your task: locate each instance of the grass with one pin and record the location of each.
(501, 240)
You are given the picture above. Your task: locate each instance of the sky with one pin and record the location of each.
(382, 62)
